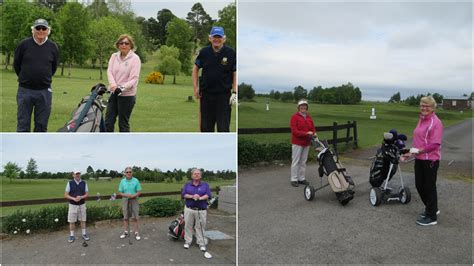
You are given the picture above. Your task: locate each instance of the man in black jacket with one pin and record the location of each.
(35, 62)
(217, 86)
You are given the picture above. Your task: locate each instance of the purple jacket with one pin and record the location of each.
(427, 136)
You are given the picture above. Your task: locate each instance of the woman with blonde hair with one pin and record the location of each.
(123, 73)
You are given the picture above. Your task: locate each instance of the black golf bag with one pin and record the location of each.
(392, 147)
(176, 228)
(340, 182)
(88, 116)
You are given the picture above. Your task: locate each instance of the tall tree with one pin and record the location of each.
(168, 61)
(163, 17)
(396, 98)
(11, 170)
(179, 34)
(98, 9)
(103, 33)
(90, 171)
(246, 91)
(74, 22)
(227, 20)
(299, 93)
(54, 5)
(200, 22)
(32, 169)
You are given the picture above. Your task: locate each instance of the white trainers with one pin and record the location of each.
(124, 235)
(202, 248)
(137, 236)
(186, 245)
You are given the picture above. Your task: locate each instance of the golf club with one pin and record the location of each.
(207, 255)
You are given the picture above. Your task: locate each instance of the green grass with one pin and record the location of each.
(159, 108)
(54, 188)
(399, 116)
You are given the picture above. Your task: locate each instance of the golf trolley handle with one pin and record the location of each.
(316, 139)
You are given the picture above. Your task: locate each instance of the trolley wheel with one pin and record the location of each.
(404, 195)
(375, 196)
(309, 193)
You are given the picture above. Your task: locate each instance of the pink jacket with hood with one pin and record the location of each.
(427, 136)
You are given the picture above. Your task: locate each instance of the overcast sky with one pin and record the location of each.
(180, 8)
(379, 47)
(65, 152)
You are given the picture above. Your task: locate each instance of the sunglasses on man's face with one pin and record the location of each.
(124, 43)
(128, 172)
(43, 28)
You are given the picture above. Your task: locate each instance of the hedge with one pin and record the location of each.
(251, 152)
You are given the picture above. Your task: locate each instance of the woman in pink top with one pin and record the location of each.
(123, 73)
(427, 150)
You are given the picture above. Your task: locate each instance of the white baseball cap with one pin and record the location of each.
(303, 101)
(76, 171)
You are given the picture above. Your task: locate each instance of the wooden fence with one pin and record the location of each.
(90, 198)
(334, 128)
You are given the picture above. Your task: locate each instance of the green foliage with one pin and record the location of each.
(286, 96)
(245, 91)
(299, 93)
(251, 152)
(227, 20)
(161, 207)
(395, 98)
(11, 170)
(200, 23)
(179, 34)
(168, 61)
(31, 169)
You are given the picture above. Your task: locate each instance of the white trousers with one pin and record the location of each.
(195, 223)
(299, 156)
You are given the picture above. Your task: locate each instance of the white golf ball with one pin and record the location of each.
(15, 232)
(23, 220)
(56, 220)
(27, 231)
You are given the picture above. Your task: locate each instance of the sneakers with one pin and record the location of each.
(186, 245)
(137, 236)
(426, 221)
(202, 248)
(295, 183)
(85, 237)
(303, 182)
(423, 214)
(71, 239)
(124, 235)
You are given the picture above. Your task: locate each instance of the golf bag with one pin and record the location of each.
(339, 181)
(176, 228)
(88, 116)
(392, 146)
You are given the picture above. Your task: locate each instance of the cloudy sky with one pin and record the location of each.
(180, 8)
(380, 47)
(65, 152)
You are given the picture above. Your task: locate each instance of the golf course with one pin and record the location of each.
(159, 107)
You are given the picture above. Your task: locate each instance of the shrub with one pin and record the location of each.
(251, 152)
(44, 218)
(161, 207)
(154, 77)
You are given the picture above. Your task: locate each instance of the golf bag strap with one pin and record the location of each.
(85, 110)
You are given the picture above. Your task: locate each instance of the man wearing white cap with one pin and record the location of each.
(76, 192)
(217, 86)
(302, 130)
(35, 62)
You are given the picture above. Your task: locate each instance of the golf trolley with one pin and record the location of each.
(384, 166)
(329, 165)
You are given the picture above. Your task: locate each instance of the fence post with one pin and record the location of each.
(348, 133)
(334, 136)
(355, 133)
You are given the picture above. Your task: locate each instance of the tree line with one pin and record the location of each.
(344, 94)
(14, 171)
(86, 33)
(415, 100)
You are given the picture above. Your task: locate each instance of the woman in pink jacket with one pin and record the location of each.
(427, 150)
(123, 73)
(302, 130)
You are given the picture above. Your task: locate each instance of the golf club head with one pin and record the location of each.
(207, 255)
(84, 244)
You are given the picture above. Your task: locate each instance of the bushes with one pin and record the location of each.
(161, 207)
(154, 77)
(55, 218)
(252, 152)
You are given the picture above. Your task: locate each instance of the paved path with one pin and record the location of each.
(105, 247)
(277, 225)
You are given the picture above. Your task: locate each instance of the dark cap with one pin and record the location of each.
(41, 22)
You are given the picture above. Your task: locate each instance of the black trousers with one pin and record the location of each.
(33, 101)
(425, 179)
(215, 110)
(122, 107)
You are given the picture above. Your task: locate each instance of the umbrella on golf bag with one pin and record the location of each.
(87, 117)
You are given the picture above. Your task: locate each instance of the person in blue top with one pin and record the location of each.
(76, 192)
(130, 189)
(196, 193)
(216, 89)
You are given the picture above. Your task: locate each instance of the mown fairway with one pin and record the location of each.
(370, 132)
(54, 188)
(159, 108)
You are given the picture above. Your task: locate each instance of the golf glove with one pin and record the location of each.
(118, 91)
(414, 150)
(233, 98)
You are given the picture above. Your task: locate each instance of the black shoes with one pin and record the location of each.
(425, 221)
(297, 183)
(423, 214)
